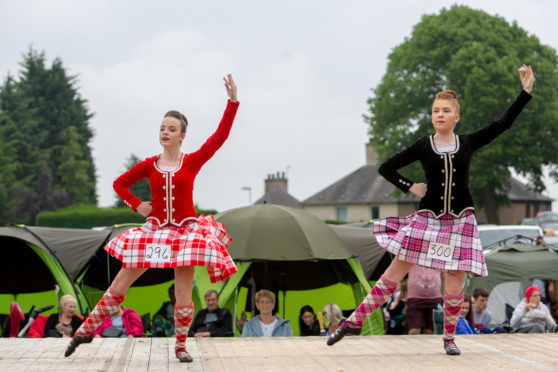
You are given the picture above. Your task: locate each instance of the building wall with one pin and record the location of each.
(355, 212)
(515, 212)
(511, 214)
(323, 212)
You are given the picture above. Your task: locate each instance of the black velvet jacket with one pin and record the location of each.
(447, 174)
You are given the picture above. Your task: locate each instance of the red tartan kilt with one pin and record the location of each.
(198, 242)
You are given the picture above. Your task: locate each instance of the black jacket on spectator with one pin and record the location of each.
(315, 331)
(220, 328)
(53, 320)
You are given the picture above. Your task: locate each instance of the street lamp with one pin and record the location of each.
(249, 189)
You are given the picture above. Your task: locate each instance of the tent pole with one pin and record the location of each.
(108, 269)
(235, 301)
(284, 302)
(363, 297)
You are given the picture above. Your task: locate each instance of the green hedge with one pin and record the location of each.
(87, 216)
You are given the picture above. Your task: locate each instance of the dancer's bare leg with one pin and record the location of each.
(125, 278)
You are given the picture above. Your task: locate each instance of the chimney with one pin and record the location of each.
(371, 155)
(276, 180)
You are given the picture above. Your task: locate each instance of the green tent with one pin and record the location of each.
(517, 263)
(361, 241)
(510, 271)
(294, 254)
(38, 260)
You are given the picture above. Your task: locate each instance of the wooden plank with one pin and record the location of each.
(504, 352)
(159, 356)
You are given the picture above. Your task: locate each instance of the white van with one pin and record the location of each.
(505, 234)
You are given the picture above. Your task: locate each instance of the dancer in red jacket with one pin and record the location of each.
(443, 233)
(173, 236)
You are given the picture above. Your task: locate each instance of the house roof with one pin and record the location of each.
(366, 186)
(363, 186)
(519, 192)
(276, 195)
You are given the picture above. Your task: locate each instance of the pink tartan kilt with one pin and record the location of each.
(409, 239)
(198, 242)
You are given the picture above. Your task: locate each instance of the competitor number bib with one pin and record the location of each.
(442, 252)
(158, 253)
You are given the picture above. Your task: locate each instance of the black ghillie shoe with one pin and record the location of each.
(345, 328)
(75, 342)
(184, 357)
(451, 347)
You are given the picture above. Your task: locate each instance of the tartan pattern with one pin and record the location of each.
(452, 308)
(409, 238)
(107, 305)
(182, 318)
(198, 242)
(378, 295)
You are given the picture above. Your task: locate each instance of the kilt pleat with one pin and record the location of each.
(409, 239)
(198, 242)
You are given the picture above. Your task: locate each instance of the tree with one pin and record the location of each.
(40, 198)
(140, 189)
(477, 55)
(72, 171)
(58, 106)
(43, 123)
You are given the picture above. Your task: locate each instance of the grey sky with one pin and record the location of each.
(304, 71)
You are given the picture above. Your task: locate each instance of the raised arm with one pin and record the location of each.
(487, 134)
(216, 140)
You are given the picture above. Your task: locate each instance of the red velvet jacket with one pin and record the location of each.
(171, 192)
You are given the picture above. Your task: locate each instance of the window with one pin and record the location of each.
(341, 213)
(374, 212)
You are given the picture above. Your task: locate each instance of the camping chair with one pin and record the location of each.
(509, 313)
(146, 322)
(438, 320)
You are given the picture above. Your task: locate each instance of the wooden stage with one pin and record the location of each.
(480, 353)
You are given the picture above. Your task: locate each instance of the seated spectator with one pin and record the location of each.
(163, 320)
(531, 315)
(396, 310)
(481, 316)
(266, 324)
(309, 326)
(333, 316)
(213, 321)
(121, 323)
(66, 322)
(424, 294)
(541, 286)
(552, 300)
(465, 321)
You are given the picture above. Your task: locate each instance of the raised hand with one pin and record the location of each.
(527, 78)
(230, 86)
